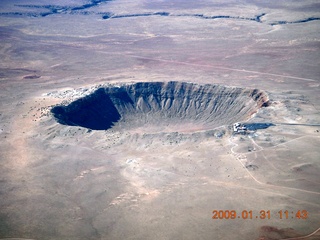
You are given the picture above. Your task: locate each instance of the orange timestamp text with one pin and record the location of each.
(262, 214)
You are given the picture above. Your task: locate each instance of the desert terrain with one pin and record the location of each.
(118, 120)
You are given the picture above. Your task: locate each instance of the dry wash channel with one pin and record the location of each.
(162, 105)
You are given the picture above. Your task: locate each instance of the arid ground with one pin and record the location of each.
(117, 119)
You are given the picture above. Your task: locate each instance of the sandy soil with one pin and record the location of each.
(69, 182)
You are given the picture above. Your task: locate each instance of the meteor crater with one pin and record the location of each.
(162, 106)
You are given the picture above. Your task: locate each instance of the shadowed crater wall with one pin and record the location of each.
(173, 105)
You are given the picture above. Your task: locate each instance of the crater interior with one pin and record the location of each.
(161, 106)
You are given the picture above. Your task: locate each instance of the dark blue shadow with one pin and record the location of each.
(96, 112)
(257, 126)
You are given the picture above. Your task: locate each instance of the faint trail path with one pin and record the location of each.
(298, 124)
(261, 183)
(224, 68)
(279, 144)
(255, 144)
(210, 66)
(261, 149)
(304, 136)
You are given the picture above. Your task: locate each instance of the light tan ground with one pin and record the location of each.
(61, 182)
